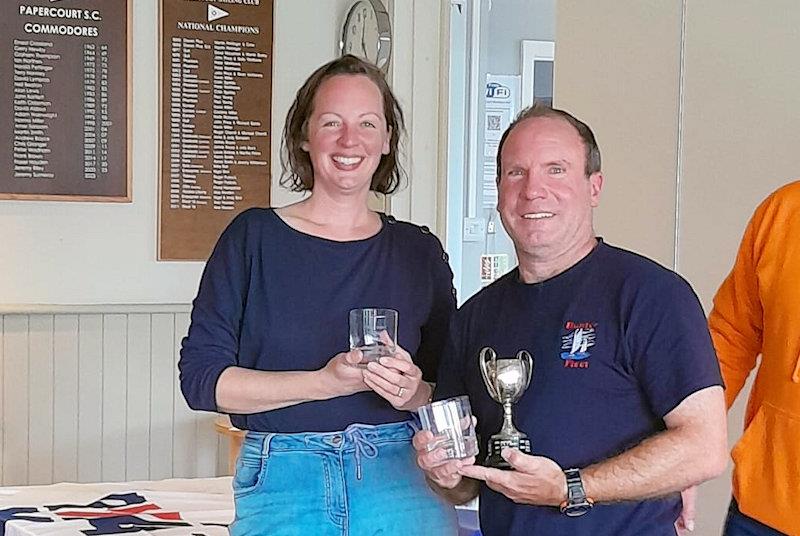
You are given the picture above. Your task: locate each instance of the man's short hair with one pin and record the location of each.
(538, 109)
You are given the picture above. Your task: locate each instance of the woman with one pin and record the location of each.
(328, 448)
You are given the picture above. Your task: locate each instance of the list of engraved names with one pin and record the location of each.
(202, 148)
(65, 70)
(33, 114)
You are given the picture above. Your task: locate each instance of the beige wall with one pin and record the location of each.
(416, 80)
(622, 79)
(101, 253)
(741, 115)
(690, 147)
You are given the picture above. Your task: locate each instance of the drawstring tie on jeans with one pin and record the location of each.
(363, 447)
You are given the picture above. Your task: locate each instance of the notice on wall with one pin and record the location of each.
(502, 103)
(493, 267)
(216, 86)
(64, 107)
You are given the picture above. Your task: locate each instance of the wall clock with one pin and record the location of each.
(366, 33)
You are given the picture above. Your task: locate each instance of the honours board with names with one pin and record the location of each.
(216, 86)
(65, 74)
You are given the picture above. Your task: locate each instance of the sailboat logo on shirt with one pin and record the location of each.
(576, 343)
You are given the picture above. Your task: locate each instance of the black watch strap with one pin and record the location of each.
(577, 502)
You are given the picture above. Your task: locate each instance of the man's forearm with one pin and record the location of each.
(466, 490)
(668, 462)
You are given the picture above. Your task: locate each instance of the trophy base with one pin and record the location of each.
(497, 444)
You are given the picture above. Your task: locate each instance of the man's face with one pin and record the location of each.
(545, 199)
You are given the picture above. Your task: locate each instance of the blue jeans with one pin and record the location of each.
(361, 481)
(738, 524)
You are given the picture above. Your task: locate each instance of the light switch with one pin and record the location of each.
(474, 229)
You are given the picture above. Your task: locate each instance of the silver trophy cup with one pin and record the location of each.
(506, 380)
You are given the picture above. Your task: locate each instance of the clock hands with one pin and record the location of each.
(363, 34)
(375, 40)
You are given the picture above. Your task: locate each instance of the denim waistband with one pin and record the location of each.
(362, 439)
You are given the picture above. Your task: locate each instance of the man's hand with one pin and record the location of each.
(533, 480)
(438, 469)
(685, 522)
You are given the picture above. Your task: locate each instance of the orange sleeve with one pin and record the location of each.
(736, 321)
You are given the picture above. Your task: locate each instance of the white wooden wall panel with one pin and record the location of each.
(88, 394)
(161, 395)
(66, 353)
(15, 399)
(137, 462)
(115, 334)
(40, 389)
(185, 428)
(207, 447)
(222, 458)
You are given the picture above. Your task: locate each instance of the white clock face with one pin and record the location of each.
(361, 35)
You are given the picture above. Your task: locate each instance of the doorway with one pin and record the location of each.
(502, 55)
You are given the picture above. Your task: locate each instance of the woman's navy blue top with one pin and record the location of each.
(274, 298)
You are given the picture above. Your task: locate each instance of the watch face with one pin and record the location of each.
(578, 509)
(360, 34)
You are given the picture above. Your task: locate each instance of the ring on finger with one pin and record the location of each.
(401, 391)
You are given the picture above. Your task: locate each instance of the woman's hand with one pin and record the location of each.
(398, 380)
(341, 375)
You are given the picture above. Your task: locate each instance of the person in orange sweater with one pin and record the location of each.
(757, 311)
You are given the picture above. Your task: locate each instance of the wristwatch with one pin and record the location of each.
(577, 502)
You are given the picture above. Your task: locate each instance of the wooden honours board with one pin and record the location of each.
(216, 85)
(64, 107)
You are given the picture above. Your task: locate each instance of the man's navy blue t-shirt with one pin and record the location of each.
(618, 342)
(274, 298)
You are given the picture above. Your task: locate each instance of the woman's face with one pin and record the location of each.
(347, 133)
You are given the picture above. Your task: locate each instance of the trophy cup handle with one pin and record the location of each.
(486, 355)
(527, 362)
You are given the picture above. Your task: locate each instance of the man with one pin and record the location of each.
(757, 311)
(626, 391)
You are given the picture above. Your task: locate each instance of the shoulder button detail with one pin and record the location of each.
(424, 229)
(445, 256)
(391, 219)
